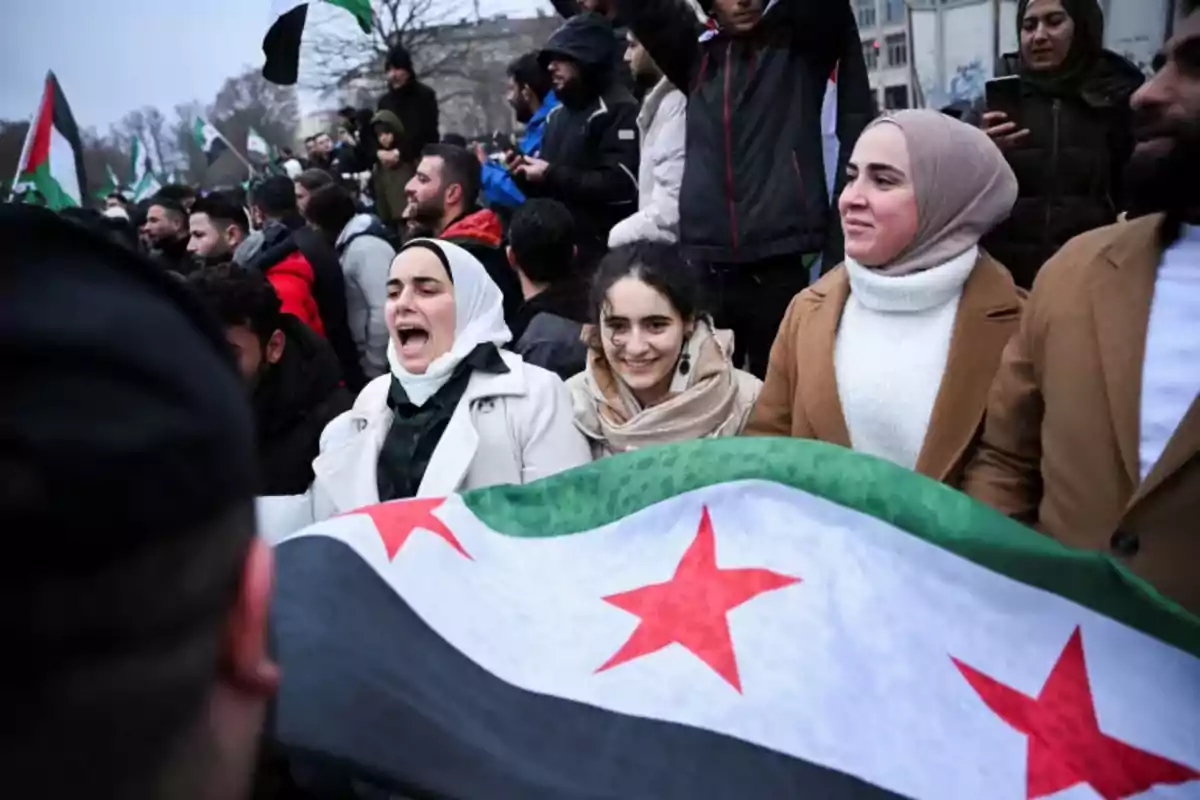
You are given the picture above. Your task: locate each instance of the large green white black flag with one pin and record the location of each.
(736, 618)
(289, 18)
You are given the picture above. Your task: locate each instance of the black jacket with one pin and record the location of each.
(754, 182)
(1069, 166)
(547, 330)
(294, 402)
(571, 8)
(591, 140)
(329, 287)
(417, 107)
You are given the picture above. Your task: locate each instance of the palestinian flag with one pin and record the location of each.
(281, 45)
(732, 618)
(209, 140)
(52, 158)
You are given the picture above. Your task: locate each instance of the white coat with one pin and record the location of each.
(512, 428)
(663, 126)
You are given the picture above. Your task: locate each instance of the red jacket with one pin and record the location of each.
(293, 281)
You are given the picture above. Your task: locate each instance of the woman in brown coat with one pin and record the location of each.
(893, 352)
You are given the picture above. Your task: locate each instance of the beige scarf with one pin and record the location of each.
(713, 399)
(963, 184)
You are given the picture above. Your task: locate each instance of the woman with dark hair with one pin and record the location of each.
(365, 256)
(1067, 136)
(657, 372)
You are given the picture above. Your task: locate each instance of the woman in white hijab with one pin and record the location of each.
(455, 413)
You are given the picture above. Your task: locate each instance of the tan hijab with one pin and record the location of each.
(963, 185)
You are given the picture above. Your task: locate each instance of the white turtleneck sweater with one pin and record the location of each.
(1171, 368)
(891, 351)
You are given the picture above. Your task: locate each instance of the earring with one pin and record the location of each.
(685, 360)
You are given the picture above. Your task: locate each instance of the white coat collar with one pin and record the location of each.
(347, 473)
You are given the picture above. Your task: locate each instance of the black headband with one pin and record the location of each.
(435, 248)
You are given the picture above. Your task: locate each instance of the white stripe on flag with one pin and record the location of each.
(850, 668)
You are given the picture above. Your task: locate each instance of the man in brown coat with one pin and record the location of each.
(1093, 422)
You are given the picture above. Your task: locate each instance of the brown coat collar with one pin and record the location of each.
(988, 314)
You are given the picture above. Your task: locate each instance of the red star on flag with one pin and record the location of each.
(1066, 747)
(690, 609)
(396, 521)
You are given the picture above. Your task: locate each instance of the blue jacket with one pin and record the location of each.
(499, 189)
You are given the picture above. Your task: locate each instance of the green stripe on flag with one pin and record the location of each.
(608, 490)
(361, 9)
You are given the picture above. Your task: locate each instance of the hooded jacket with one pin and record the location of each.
(1070, 165)
(754, 184)
(591, 140)
(389, 181)
(416, 107)
(366, 258)
(280, 260)
(293, 403)
(481, 234)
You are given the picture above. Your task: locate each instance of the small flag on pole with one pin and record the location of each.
(145, 183)
(256, 145)
(281, 44)
(727, 618)
(209, 140)
(52, 158)
(111, 183)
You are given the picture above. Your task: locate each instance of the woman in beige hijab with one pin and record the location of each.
(893, 352)
(656, 372)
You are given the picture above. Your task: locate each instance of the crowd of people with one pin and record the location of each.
(1007, 301)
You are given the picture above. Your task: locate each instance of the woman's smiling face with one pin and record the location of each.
(642, 335)
(420, 309)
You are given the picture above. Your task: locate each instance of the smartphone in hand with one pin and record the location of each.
(1004, 94)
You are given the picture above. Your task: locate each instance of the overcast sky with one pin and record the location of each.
(112, 56)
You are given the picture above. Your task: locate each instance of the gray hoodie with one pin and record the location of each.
(366, 261)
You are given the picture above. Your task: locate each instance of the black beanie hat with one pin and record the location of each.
(399, 58)
(122, 418)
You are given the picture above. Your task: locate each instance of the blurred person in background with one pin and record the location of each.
(217, 227)
(415, 105)
(531, 96)
(589, 159)
(165, 232)
(541, 248)
(308, 182)
(389, 177)
(291, 373)
(662, 128)
(1070, 135)
(365, 256)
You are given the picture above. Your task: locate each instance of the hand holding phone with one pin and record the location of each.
(1000, 122)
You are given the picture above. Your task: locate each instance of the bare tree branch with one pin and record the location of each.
(339, 58)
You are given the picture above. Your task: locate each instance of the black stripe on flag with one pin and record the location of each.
(281, 46)
(370, 692)
(64, 123)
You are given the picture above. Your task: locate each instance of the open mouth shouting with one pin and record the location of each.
(412, 338)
